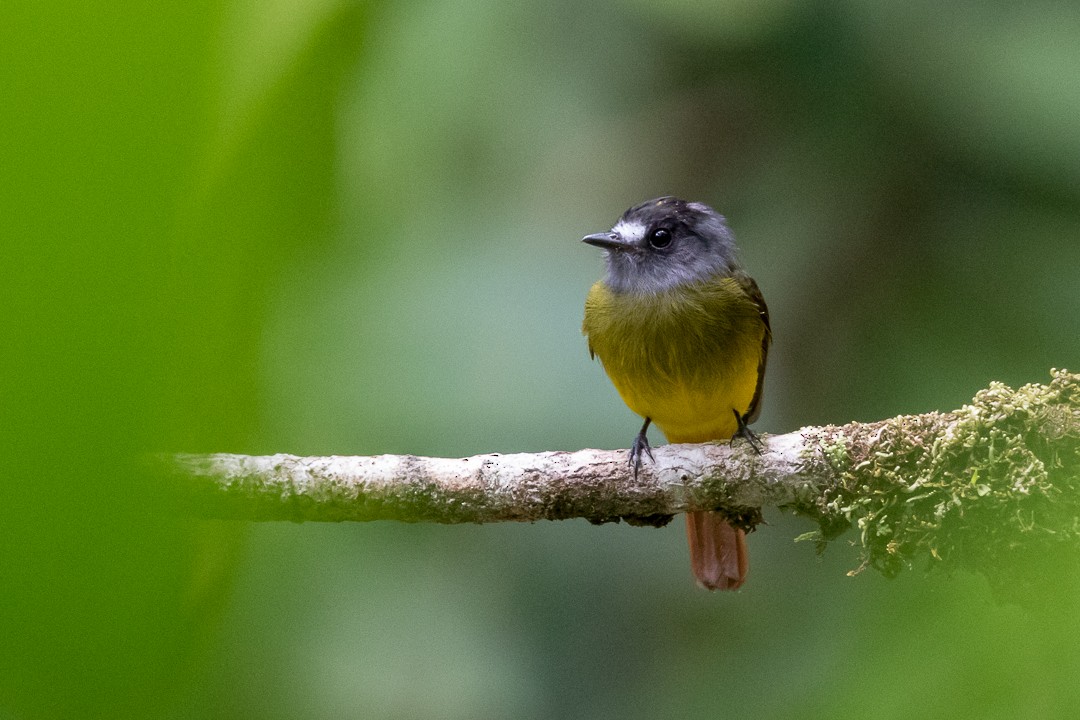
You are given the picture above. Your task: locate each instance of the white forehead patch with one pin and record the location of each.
(630, 231)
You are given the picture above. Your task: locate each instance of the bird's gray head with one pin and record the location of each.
(664, 243)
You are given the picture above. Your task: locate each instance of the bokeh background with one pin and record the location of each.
(334, 227)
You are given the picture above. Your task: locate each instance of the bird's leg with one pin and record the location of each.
(640, 445)
(745, 433)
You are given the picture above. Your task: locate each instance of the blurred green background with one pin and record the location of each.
(352, 228)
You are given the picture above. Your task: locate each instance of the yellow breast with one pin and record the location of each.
(686, 357)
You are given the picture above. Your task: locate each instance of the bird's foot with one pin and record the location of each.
(745, 433)
(639, 447)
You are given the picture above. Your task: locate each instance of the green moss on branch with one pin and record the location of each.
(980, 487)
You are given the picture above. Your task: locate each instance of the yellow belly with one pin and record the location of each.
(687, 358)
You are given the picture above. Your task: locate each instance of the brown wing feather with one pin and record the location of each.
(754, 293)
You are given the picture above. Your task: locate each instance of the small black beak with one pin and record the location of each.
(608, 240)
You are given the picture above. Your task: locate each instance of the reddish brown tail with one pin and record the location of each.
(717, 551)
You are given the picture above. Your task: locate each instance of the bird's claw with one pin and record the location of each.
(745, 433)
(639, 446)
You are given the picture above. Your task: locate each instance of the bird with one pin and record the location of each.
(683, 333)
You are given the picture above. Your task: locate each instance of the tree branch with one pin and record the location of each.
(592, 484)
(939, 484)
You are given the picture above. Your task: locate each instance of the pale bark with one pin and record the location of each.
(593, 484)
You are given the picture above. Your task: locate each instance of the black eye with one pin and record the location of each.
(660, 238)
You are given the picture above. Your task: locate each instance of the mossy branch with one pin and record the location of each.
(970, 485)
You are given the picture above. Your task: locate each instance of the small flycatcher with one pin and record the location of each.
(683, 333)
